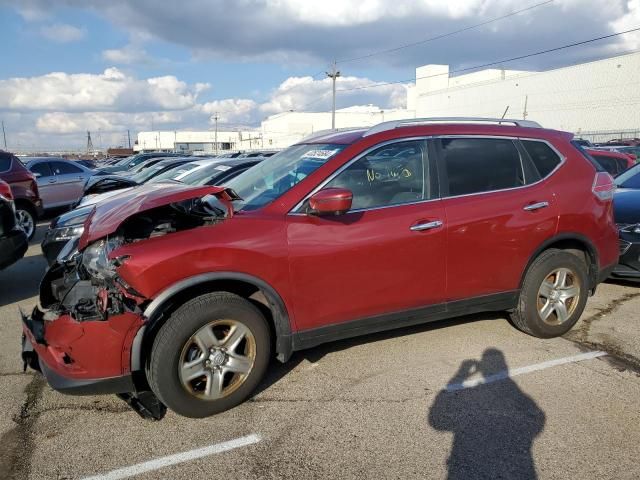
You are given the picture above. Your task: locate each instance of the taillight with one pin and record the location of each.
(34, 184)
(5, 191)
(603, 186)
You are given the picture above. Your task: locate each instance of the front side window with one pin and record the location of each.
(391, 175)
(475, 165)
(270, 179)
(41, 168)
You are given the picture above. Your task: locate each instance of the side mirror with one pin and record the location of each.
(330, 201)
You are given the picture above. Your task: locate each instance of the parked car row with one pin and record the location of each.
(213, 171)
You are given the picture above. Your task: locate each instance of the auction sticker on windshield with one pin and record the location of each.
(321, 154)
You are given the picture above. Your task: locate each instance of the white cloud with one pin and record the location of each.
(629, 21)
(127, 55)
(112, 91)
(54, 108)
(62, 33)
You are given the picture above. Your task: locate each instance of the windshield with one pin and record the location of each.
(629, 178)
(148, 173)
(201, 175)
(174, 172)
(272, 178)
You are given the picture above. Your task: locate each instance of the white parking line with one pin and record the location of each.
(162, 462)
(452, 387)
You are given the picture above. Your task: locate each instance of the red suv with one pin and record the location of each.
(179, 296)
(25, 191)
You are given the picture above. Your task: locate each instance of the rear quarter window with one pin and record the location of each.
(5, 163)
(542, 155)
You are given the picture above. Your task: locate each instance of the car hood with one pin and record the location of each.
(108, 215)
(626, 206)
(92, 199)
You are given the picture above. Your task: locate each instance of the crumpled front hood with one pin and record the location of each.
(109, 214)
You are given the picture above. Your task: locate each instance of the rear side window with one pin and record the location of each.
(475, 165)
(5, 163)
(542, 155)
(62, 168)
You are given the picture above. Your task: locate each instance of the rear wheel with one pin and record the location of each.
(209, 355)
(26, 220)
(553, 295)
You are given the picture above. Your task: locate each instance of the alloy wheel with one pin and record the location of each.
(558, 296)
(217, 359)
(26, 222)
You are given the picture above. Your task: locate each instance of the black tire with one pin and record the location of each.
(26, 211)
(167, 351)
(526, 316)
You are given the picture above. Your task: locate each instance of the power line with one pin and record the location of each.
(497, 62)
(444, 35)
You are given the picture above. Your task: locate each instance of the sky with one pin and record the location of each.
(109, 66)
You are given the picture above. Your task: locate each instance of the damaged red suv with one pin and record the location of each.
(179, 296)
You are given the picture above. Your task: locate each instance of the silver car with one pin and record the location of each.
(60, 182)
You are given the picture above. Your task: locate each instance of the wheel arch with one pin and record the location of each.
(259, 292)
(574, 242)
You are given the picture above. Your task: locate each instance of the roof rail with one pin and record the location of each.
(393, 124)
(328, 131)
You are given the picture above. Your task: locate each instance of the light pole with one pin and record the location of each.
(215, 137)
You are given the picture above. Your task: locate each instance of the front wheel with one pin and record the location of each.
(553, 295)
(210, 355)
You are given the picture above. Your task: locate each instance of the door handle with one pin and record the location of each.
(52, 180)
(536, 206)
(418, 227)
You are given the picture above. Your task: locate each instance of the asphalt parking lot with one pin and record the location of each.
(469, 398)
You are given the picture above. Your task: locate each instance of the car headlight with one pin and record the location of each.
(629, 228)
(95, 258)
(66, 233)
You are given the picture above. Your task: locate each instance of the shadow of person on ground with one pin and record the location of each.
(493, 425)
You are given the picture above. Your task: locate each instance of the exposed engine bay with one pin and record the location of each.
(85, 284)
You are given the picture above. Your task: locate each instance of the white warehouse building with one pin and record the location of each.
(284, 129)
(597, 97)
(187, 141)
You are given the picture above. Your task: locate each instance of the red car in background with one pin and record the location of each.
(25, 191)
(613, 162)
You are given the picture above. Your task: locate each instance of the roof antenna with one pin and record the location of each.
(504, 114)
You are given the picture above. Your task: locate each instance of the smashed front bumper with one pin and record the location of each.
(80, 338)
(77, 359)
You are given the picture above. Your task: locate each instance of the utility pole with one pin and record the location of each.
(333, 75)
(215, 138)
(129, 138)
(4, 135)
(525, 113)
(89, 142)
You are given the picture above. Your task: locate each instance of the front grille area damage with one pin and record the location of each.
(86, 285)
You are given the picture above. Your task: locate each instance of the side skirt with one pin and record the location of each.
(389, 321)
